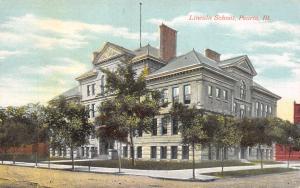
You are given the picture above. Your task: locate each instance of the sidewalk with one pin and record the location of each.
(184, 175)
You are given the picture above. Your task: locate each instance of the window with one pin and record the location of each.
(87, 108)
(140, 132)
(243, 90)
(242, 111)
(93, 89)
(102, 85)
(256, 109)
(173, 152)
(164, 125)
(235, 107)
(187, 94)
(175, 94)
(209, 91)
(218, 92)
(153, 152)
(88, 90)
(270, 110)
(225, 94)
(163, 152)
(174, 126)
(93, 110)
(185, 152)
(154, 127)
(125, 151)
(131, 152)
(139, 152)
(165, 96)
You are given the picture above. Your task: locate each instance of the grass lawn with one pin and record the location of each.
(266, 162)
(252, 172)
(157, 165)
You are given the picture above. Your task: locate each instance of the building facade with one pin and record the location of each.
(204, 80)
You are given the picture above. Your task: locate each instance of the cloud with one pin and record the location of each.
(241, 26)
(290, 45)
(5, 54)
(62, 66)
(47, 33)
(19, 91)
(287, 87)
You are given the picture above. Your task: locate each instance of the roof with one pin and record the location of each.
(236, 61)
(261, 88)
(73, 92)
(232, 60)
(88, 74)
(189, 59)
(147, 50)
(119, 47)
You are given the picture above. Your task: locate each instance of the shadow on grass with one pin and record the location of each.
(252, 172)
(156, 165)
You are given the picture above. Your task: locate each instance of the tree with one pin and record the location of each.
(256, 131)
(36, 128)
(226, 134)
(68, 124)
(192, 126)
(286, 134)
(3, 141)
(15, 129)
(132, 106)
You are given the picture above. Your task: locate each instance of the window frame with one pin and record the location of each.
(187, 96)
(174, 152)
(163, 152)
(139, 152)
(185, 152)
(210, 90)
(153, 155)
(164, 125)
(175, 98)
(218, 93)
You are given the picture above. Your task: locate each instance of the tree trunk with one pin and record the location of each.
(14, 155)
(119, 156)
(72, 157)
(132, 150)
(222, 160)
(290, 151)
(49, 157)
(193, 145)
(261, 157)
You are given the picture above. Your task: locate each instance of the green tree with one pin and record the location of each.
(286, 134)
(256, 131)
(15, 129)
(3, 141)
(226, 135)
(192, 126)
(68, 123)
(133, 105)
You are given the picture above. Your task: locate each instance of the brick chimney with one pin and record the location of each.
(168, 41)
(212, 55)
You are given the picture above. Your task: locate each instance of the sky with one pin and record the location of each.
(45, 45)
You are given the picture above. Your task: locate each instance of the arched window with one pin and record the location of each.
(243, 90)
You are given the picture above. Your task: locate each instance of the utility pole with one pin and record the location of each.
(140, 24)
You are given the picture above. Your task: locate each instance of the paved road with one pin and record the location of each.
(184, 174)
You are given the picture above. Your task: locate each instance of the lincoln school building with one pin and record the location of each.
(193, 78)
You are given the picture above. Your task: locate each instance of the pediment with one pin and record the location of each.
(246, 66)
(108, 53)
